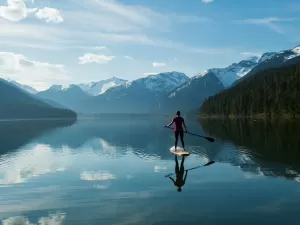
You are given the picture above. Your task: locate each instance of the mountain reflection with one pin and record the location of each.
(15, 134)
(257, 148)
(272, 148)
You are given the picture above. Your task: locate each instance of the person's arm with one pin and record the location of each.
(172, 180)
(170, 123)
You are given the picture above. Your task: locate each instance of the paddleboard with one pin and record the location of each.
(179, 151)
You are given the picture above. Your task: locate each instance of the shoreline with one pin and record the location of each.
(256, 117)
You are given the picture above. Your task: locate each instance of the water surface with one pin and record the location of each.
(112, 171)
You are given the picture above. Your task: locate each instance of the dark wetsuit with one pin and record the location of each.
(178, 129)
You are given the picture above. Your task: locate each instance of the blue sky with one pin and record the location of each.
(45, 42)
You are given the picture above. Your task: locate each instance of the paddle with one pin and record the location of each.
(207, 138)
(207, 164)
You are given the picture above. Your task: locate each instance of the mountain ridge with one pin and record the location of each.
(17, 104)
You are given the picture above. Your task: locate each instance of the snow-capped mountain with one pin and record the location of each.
(192, 93)
(24, 87)
(274, 60)
(290, 54)
(97, 88)
(266, 56)
(61, 88)
(143, 95)
(235, 71)
(162, 82)
(69, 96)
(164, 91)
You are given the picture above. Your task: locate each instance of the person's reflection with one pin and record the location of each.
(180, 181)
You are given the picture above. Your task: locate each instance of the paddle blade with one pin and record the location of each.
(210, 139)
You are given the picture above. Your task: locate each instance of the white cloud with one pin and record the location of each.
(33, 73)
(64, 37)
(94, 58)
(269, 22)
(96, 175)
(266, 20)
(57, 47)
(158, 64)
(100, 47)
(15, 10)
(49, 15)
(207, 1)
(251, 54)
(117, 17)
(53, 219)
(128, 57)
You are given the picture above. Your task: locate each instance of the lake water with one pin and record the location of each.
(111, 171)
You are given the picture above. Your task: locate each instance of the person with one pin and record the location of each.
(178, 129)
(180, 182)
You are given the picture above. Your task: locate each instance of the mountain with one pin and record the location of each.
(236, 71)
(233, 72)
(192, 93)
(268, 93)
(139, 96)
(26, 88)
(69, 96)
(30, 90)
(18, 104)
(274, 60)
(97, 88)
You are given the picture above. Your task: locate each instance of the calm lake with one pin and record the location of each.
(112, 171)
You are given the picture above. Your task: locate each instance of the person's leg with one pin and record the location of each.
(182, 165)
(176, 165)
(176, 139)
(181, 138)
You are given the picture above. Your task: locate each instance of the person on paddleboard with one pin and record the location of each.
(178, 128)
(180, 181)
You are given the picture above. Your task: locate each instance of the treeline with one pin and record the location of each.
(276, 140)
(32, 111)
(269, 93)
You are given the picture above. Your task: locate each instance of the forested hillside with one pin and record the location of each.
(269, 93)
(17, 104)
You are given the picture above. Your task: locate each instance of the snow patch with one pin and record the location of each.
(296, 50)
(65, 87)
(163, 82)
(100, 87)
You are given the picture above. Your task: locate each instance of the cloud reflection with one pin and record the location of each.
(52, 219)
(19, 168)
(96, 175)
(158, 169)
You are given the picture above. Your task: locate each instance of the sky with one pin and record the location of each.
(46, 42)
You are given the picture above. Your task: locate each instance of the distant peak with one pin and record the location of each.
(253, 59)
(296, 50)
(58, 87)
(115, 78)
(55, 86)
